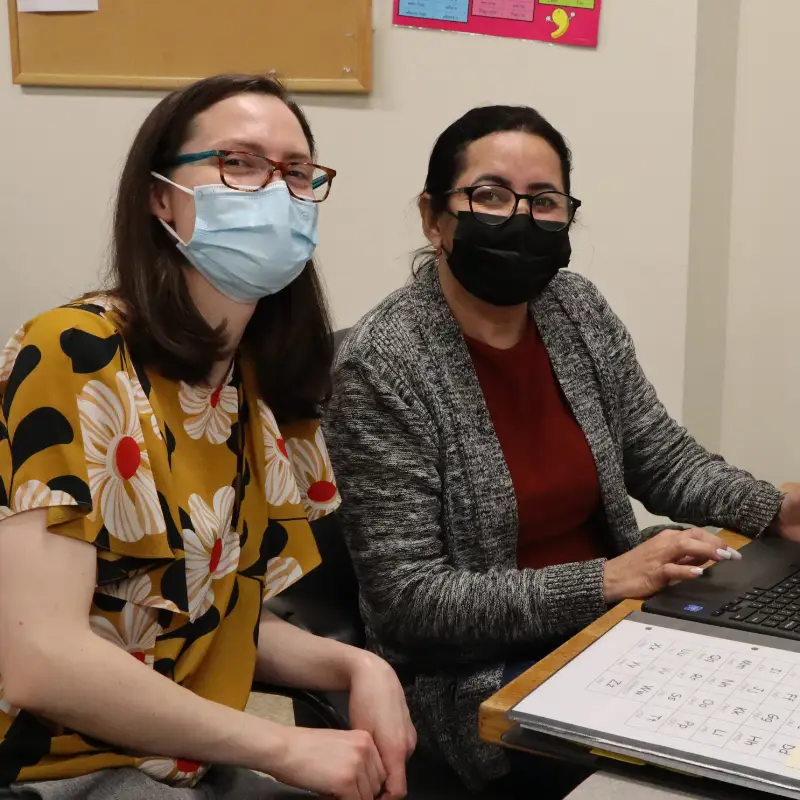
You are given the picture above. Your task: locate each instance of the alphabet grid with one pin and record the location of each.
(740, 702)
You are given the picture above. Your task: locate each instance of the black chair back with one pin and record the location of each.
(325, 601)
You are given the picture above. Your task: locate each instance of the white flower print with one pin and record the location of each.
(281, 574)
(210, 411)
(138, 633)
(211, 549)
(5, 707)
(35, 494)
(179, 772)
(143, 406)
(9, 355)
(120, 478)
(280, 484)
(138, 590)
(314, 473)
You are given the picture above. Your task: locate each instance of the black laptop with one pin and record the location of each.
(760, 593)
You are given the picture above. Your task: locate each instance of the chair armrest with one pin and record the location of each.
(313, 702)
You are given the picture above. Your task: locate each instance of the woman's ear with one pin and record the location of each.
(430, 221)
(160, 202)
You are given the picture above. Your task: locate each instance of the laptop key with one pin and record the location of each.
(755, 605)
(742, 615)
(789, 626)
(757, 619)
(771, 623)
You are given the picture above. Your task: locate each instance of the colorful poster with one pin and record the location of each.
(575, 22)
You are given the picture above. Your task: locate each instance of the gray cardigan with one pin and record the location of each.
(429, 508)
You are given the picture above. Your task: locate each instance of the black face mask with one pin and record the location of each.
(510, 264)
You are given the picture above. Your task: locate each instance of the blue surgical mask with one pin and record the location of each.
(248, 244)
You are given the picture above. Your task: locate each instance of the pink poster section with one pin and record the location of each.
(574, 22)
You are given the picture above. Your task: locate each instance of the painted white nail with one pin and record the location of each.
(735, 554)
(726, 554)
(696, 571)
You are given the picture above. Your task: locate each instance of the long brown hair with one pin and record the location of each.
(289, 335)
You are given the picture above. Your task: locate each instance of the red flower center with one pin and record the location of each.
(215, 397)
(187, 767)
(282, 447)
(216, 555)
(128, 457)
(321, 492)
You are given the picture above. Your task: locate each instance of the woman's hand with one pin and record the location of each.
(339, 764)
(789, 518)
(667, 558)
(378, 706)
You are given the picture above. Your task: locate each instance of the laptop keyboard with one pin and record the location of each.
(768, 607)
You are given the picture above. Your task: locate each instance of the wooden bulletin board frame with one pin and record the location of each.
(311, 45)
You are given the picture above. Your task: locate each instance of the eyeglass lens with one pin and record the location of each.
(248, 171)
(552, 210)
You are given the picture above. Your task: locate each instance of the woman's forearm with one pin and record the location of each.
(290, 656)
(93, 687)
(486, 611)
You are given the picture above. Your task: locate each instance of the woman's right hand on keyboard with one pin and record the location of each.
(669, 557)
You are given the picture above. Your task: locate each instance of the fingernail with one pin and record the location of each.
(735, 554)
(726, 554)
(696, 571)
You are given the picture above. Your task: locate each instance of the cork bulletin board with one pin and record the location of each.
(311, 45)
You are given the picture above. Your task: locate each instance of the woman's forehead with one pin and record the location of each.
(519, 157)
(263, 122)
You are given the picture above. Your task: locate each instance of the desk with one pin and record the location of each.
(493, 722)
(602, 786)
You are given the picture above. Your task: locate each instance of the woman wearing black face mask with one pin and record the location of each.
(489, 423)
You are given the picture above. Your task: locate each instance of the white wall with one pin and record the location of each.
(761, 420)
(627, 109)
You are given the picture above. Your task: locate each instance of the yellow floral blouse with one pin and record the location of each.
(198, 505)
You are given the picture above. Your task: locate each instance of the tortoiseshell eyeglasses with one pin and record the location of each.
(250, 172)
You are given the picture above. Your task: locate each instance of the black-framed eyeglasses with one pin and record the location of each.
(494, 205)
(250, 172)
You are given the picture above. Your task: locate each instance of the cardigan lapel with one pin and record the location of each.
(586, 380)
(492, 501)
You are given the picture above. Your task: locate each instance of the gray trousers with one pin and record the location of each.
(128, 783)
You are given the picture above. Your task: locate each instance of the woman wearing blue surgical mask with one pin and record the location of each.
(161, 465)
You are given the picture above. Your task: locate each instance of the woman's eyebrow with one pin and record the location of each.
(250, 146)
(490, 178)
(499, 180)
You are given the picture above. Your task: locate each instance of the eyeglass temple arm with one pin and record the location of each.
(190, 158)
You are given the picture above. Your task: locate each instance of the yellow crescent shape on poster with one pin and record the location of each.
(561, 20)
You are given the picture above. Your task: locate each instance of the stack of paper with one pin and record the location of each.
(704, 700)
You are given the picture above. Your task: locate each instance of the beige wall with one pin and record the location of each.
(683, 124)
(761, 419)
(627, 109)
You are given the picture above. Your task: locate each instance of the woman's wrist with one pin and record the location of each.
(612, 592)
